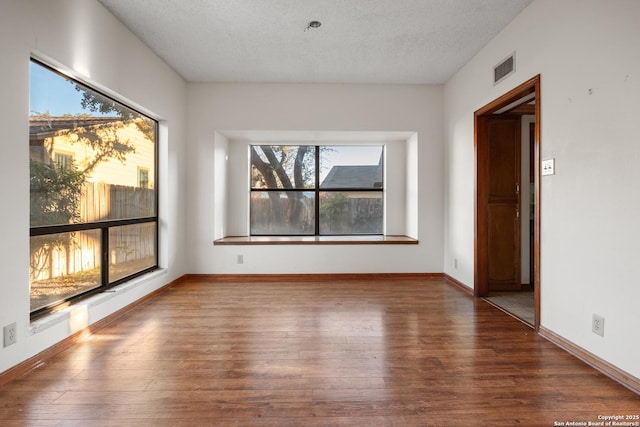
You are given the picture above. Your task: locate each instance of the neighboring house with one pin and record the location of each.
(59, 139)
(354, 176)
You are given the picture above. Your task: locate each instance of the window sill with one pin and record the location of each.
(316, 240)
(82, 307)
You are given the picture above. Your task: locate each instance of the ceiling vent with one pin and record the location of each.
(504, 69)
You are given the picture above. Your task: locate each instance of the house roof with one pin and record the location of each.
(45, 126)
(48, 123)
(360, 176)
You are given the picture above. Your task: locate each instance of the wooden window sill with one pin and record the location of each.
(316, 240)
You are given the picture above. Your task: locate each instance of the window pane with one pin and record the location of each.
(91, 159)
(282, 213)
(351, 212)
(132, 248)
(282, 166)
(85, 154)
(351, 167)
(63, 265)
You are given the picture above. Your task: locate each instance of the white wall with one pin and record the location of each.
(82, 38)
(315, 111)
(587, 54)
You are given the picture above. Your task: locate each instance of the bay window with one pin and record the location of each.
(299, 190)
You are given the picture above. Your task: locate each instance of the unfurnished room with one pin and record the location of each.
(320, 213)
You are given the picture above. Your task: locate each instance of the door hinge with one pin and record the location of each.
(517, 188)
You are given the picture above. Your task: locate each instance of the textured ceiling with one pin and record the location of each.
(360, 41)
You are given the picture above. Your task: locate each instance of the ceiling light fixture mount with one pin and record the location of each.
(313, 24)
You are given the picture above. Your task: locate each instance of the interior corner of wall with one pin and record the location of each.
(412, 183)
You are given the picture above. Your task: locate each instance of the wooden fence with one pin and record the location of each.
(103, 202)
(70, 253)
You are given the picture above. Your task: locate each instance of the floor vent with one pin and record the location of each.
(504, 69)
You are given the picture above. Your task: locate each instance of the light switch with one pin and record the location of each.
(548, 167)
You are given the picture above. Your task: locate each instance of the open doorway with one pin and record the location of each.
(507, 202)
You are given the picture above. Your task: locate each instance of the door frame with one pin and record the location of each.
(481, 286)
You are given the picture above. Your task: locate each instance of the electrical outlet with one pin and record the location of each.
(240, 259)
(10, 334)
(455, 263)
(597, 325)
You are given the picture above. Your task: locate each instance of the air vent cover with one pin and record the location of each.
(504, 69)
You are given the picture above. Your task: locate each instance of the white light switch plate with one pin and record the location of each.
(549, 167)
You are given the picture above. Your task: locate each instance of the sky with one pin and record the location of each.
(53, 93)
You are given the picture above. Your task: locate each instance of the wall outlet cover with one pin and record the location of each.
(10, 334)
(597, 325)
(549, 167)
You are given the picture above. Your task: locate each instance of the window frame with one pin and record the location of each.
(106, 225)
(317, 189)
(63, 159)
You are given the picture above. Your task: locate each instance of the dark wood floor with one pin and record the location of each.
(344, 353)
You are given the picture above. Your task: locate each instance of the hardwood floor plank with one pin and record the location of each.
(326, 383)
(405, 352)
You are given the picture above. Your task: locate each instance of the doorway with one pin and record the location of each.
(507, 202)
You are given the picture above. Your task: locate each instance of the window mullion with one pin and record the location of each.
(317, 192)
(104, 268)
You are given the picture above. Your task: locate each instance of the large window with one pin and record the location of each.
(93, 210)
(316, 190)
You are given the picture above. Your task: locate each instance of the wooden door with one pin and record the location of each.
(503, 203)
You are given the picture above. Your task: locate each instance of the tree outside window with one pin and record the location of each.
(316, 190)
